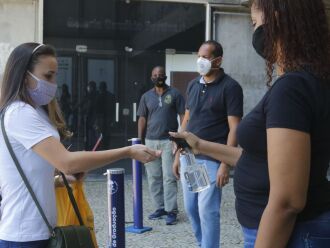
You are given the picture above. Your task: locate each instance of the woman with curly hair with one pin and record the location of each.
(280, 182)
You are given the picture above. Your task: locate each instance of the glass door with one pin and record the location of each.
(89, 98)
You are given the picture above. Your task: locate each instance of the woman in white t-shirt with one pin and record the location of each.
(34, 125)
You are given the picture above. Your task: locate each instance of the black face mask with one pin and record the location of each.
(258, 41)
(159, 81)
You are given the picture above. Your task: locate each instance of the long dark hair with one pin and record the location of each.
(19, 62)
(22, 59)
(300, 27)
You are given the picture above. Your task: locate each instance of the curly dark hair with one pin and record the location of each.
(300, 27)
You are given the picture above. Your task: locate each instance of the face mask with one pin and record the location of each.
(204, 65)
(258, 41)
(43, 93)
(159, 81)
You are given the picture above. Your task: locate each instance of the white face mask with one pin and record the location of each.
(204, 65)
(44, 92)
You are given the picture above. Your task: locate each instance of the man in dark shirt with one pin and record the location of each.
(213, 110)
(158, 114)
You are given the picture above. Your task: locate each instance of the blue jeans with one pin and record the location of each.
(250, 236)
(30, 244)
(313, 233)
(203, 208)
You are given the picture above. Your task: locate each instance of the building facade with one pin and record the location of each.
(119, 41)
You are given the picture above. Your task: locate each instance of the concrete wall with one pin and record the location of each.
(20, 21)
(234, 32)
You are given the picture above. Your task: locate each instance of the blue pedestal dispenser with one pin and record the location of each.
(116, 208)
(137, 196)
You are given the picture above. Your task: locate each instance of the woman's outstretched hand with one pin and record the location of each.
(191, 139)
(143, 153)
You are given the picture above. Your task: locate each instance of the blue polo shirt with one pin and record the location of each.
(210, 105)
(161, 112)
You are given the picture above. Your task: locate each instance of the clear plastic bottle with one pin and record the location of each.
(195, 174)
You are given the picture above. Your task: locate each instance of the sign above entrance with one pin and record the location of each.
(114, 24)
(81, 48)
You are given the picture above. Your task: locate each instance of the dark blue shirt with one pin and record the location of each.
(296, 101)
(161, 112)
(210, 105)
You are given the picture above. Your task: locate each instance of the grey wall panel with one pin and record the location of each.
(234, 31)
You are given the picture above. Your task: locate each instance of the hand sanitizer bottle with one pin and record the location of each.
(195, 174)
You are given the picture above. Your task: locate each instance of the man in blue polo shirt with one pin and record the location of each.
(158, 114)
(213, 110)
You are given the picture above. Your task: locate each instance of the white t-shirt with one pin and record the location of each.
(20, 218)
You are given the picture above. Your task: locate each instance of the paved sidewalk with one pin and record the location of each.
(162, 236)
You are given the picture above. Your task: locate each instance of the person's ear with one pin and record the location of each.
(28, 83)
(26, 80)
(218, 62)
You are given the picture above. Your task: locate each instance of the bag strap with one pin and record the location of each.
(28, 186)
(72, 199)
(21, 172)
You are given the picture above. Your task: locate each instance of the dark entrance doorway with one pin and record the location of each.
(118, 43)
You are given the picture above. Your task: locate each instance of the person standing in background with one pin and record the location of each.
(89, 105)
(214, 109)
(65, 104)
(105, 113)
(158, 114)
